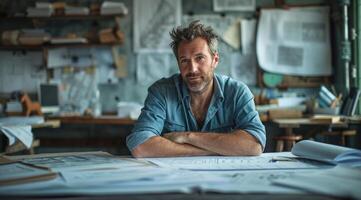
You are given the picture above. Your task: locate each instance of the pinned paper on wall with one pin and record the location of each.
(248, 35)
(244, 68)
(152, 22)
(241, 33)
(219, 23)
(151, 67)
(295, 41)
(64, 57)
(232, 35)
(24, 68)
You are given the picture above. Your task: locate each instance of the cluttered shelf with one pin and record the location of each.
(38, 35)
(104, 119)
(49, 46)
(65, 17)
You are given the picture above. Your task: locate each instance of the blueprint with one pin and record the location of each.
(295, 42)
(265, 161)
(151, 67)
(153, 20)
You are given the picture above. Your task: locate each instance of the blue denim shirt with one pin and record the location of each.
(167, 109)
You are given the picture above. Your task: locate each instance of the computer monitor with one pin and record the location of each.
(49, 97)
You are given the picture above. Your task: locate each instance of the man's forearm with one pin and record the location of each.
(161, 147)
(236, 143)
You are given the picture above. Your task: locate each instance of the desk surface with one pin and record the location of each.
(47, 124)
(283, 123)
(196, 196)
(105, 119)
(105, 168)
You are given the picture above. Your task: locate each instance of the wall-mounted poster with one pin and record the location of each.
(153, 20)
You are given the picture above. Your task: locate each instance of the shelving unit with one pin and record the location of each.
(50, 46)
(66, 17)
(60, 18)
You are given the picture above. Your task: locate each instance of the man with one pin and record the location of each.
(197, 112)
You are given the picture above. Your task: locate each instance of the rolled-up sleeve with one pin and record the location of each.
(247, 118)
(151, 120)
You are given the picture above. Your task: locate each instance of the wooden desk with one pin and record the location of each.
(289, 124)
(47, 124)
(102, 120)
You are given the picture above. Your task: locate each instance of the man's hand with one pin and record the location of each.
(177, 137)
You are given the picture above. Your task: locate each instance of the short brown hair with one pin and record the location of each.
(195, 29)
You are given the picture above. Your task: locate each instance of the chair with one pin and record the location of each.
(342, 133)
(286, 142)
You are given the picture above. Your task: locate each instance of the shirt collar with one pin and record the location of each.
(183, 90)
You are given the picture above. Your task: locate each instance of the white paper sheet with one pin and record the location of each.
(18, 170)
(295, 42)
(143, 178)
(151, 179)
(151, 67)
(244, 68)
(152, 22)
(248, 35)
(232, 163)
(329, 153)
(21, 71)
(80, 161)
(232, 35)
(339, 181)
(254, 181)
(104, 176)
(18, 132)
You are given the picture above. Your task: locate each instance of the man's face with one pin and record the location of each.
(196, 64)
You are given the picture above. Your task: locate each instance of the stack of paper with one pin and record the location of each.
(41, 9)
(99, 173)
(33, 37)
(339, 181)
(328, 153)
(21, 133)
(76, 11)
(18, 173)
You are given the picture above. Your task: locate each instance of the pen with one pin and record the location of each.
(281, 158)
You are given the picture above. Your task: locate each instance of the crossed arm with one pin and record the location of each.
(238, 142)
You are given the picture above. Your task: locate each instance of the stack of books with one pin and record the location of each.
(68, 40)
(41, 9)
(113, 8)
(77, 11)
(325, 98)
(33, 37)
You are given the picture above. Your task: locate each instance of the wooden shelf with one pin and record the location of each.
(105, 119)
(50, 46)
(65, 17)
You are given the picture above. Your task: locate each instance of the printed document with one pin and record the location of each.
(295, 41)
(265, 161)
